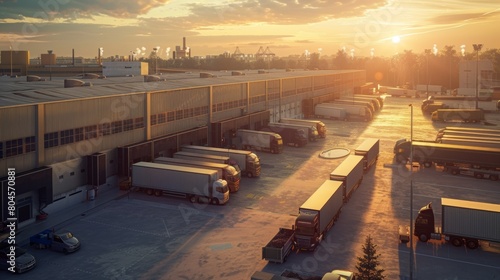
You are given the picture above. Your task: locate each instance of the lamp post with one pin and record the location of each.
(427, 53)
(156, 60)
(477, 48)
(10, 47)
(411, 191)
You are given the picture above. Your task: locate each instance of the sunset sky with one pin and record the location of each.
(215, 26)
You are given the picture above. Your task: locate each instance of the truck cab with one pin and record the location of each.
(307, 233)
(402, 150)
(424, 223)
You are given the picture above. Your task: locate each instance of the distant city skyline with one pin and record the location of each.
(361, 28)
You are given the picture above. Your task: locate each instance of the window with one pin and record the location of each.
(178, 115)
(188, 113)
(170, 116)
(1, 150)
(219, 107)
(14, 147)
(67, 136)
(78, 134)
(128, 125)
(29, 144)
(51, 139)
(139, 123)
(197, 111)
(91, 132)
(161, 118)
(116, 127)
(153, 119)
(105, 129)
(204, 110)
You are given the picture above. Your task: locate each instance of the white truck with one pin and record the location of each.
(320, 126)
(431, 89)
(259, 140)
(196, 184)
(202, 157)
(309, 130)
(350, 173)
(248, 161)
(226, 171)
(369, 150)
(329, 112)
(352, 111)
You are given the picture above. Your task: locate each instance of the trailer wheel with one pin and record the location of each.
(457, 241)
(249, 174)
(427, 164)
(472, 244)
(454, 171)
(423, 237)
(157, 193)
(193, 199)
(215, 201)
(478, 175)
(494, 177)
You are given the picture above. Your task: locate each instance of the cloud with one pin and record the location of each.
(455, 18)
(72, 9)
(277, 11)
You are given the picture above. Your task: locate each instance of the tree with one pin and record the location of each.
(368, 264)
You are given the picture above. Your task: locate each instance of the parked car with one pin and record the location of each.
(23, 260)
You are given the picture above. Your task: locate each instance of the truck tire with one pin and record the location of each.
(472, 243)
(454, 171)
(423, 237)
(249, 174)
(457, 241)
(478, 175)
(193, 199)
(494, 177)
(215, 201)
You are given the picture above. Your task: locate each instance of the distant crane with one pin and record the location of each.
(238, 54)
(266, 54)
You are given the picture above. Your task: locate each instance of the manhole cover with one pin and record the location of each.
(335, 153)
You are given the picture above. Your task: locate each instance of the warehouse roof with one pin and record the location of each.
(17, 91)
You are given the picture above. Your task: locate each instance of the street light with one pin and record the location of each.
(427, 53)
(10, 47)
(477, 48)
(411, 191)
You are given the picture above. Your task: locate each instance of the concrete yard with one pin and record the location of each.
(147, 237)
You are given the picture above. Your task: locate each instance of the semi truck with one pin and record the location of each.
(309, 130)
(366, 104)
(291, 135)
(248, 161)
(62, 241)
(204, 157)
(431, 107)
(350, 173)
(468, 137)
(436, 89)
(467, 134)
(226, 171)
(352, 111)
(378, 98)
(471, 129)
(369, 150)
(464, 115)
(280, 246)
(370, 103)
(318, 214)
(320, 126)
(470, 142)
(195, 184)
(329, 112)
(259, 140)
(462, 222)
(377, 106)
(428, 153)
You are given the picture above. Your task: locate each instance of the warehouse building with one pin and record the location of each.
(66, 143)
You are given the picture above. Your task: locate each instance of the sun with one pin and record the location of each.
(396, 39)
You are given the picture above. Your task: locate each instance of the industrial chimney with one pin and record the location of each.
(184, 43)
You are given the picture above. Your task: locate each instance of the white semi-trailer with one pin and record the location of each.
(320, 126)
(350, 173)
(196, 184)
(226, 171)
(248, 161)
(260, 141)
(369, 150)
